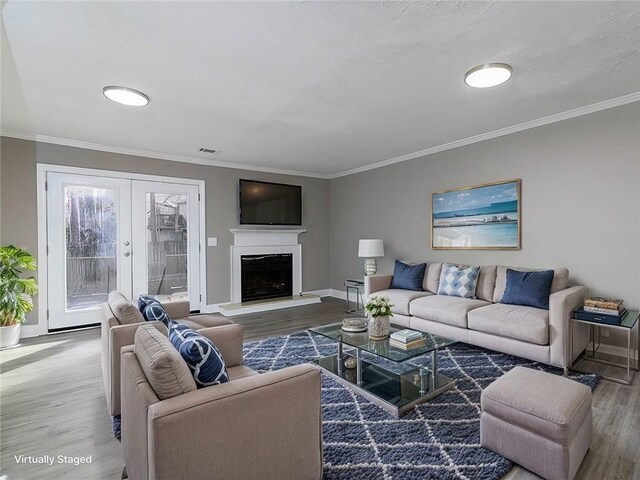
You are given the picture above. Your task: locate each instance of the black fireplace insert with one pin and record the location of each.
(266, 276)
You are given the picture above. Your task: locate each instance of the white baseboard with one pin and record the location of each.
(29, 331)
(320, 293)
(213, 308)
(338, 294)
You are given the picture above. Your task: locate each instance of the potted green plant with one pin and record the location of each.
(15, 292)
(379, 310)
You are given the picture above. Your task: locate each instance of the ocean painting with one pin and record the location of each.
(480, 217)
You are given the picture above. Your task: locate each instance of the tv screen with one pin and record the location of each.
(264, 203)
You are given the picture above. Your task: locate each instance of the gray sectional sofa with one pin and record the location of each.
(528, 332)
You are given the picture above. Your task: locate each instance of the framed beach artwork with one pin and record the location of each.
(478, 217)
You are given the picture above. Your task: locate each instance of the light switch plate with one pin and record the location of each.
(212, 242)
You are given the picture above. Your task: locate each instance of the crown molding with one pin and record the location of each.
(558, 117)
(151, 154)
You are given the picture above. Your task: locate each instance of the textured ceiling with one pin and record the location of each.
(317, 87)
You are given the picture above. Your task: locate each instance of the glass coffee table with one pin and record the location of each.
(382, 373)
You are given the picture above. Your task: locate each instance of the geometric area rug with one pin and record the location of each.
(439, 439)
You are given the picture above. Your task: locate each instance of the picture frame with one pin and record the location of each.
(478, 217)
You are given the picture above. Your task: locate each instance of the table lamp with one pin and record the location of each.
(370, 249)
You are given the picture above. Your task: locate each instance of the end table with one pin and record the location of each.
(627, 325)
(357, 286)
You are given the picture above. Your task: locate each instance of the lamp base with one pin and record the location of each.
(370, 266)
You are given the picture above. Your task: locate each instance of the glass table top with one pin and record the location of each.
(382, 348)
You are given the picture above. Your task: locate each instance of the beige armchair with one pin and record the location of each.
(256, 426)
(120, 321)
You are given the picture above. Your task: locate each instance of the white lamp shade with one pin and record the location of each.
(371, 248)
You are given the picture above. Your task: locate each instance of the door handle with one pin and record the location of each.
(126, 254)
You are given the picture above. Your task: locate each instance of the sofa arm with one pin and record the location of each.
(375, 283)
(228, 339)
(561, 306)
(176, 308)
(121, 336)
(266, 426)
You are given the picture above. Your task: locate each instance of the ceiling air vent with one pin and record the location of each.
(207, 150)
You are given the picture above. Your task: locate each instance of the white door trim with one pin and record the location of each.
(41, 195)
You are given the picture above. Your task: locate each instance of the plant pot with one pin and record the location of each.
(378, 327)
(9, 336)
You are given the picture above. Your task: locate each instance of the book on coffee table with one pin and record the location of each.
(406, 335)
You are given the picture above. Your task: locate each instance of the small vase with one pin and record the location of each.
(378, 327)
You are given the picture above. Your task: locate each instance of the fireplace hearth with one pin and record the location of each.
(266, 276)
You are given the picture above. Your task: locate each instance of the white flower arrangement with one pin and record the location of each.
(379, 306)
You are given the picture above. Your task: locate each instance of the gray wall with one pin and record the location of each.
(18, 201)
(580, 202)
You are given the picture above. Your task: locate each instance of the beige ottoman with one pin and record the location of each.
(538, 420)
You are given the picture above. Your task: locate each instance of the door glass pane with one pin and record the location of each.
(91, 241)
(167, 244)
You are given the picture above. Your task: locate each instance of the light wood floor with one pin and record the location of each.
(52, 403)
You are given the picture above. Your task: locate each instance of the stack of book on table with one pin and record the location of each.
(407, 339)
(604, 310)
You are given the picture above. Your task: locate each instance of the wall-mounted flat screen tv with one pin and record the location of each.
(265, 203)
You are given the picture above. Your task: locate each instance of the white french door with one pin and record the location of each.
(166, 232)
(107, 234)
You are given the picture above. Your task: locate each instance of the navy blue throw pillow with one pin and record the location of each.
(528, 288)
(201, 355)
(408, 277)
(152, 310)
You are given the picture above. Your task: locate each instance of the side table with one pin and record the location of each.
(627, 325)
(356, 286)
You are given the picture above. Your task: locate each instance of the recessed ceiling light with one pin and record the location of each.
(488, 75)
(125, 96)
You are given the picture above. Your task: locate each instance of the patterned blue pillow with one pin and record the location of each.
(458, 282)
(201, 355)
(152, 310)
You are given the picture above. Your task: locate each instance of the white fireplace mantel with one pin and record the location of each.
(247, 237)
(259, 241)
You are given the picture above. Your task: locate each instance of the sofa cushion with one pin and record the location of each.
(201, 355)
(123, 310)
(432, 277)
(408, 277)
(445, 309)
(560, 280)
(163, 366)
(401, 299)
(549, 405)
(528, 288)
(528, 324)
(486, 282)
(152, 310)
(458, 282)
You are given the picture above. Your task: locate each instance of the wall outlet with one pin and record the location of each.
(605, 333)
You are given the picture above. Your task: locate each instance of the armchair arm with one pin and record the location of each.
(561, 306)
(121, 336)
(228, 339)
(260, 427)
(375, 283)
(176, 309)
